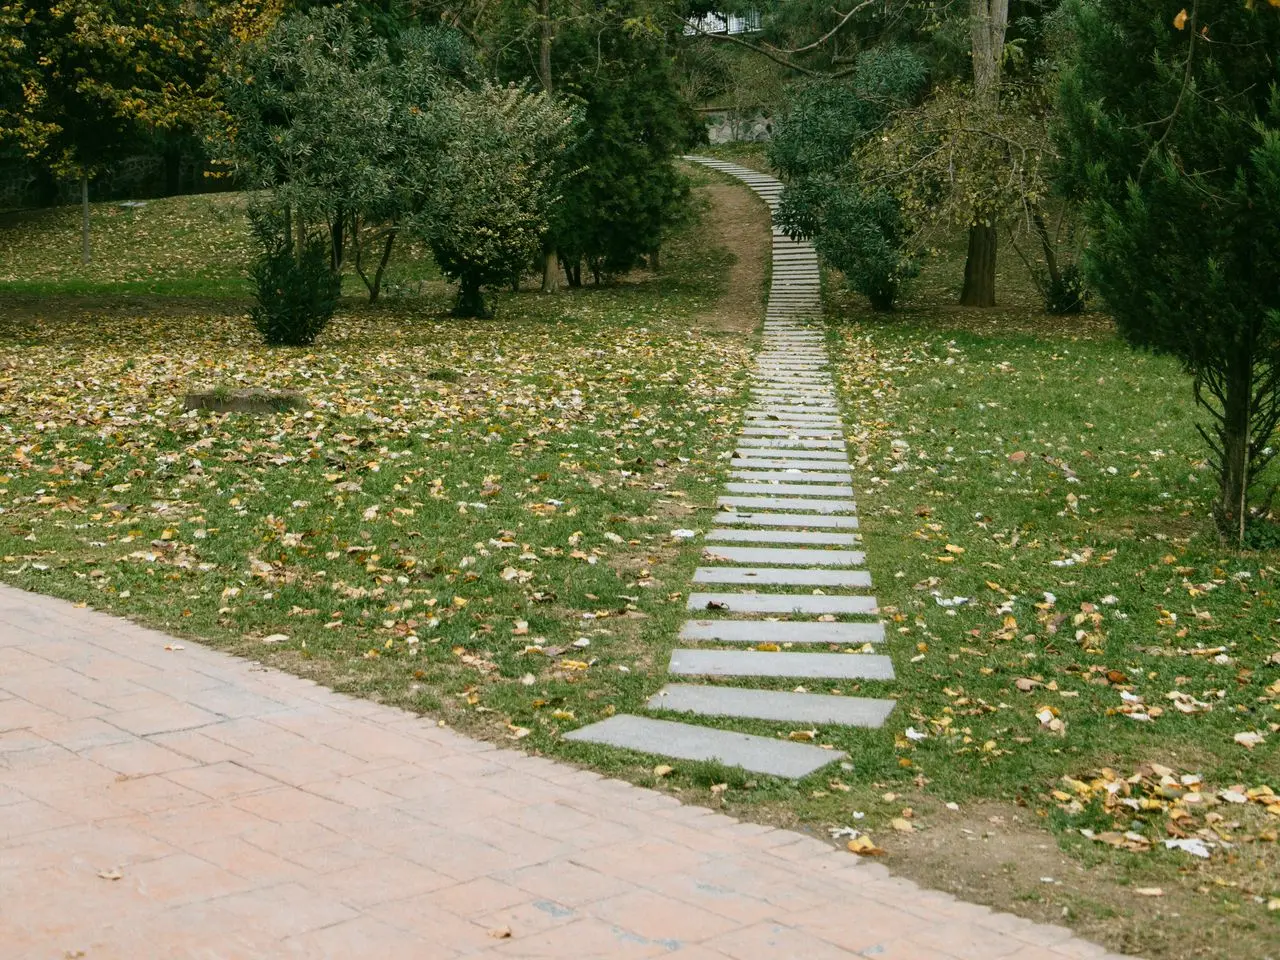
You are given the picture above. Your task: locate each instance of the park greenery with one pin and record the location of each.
(1038, 221)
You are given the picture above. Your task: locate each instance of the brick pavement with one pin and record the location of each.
(175, 804)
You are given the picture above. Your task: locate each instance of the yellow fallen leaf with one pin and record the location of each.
(563, 714)
(902, 825)
(953, 548)
(662, 769)
(768, 647)
(802, 735)
(1180, 21)
(500, 933)
(1149, 891)
(864, 846)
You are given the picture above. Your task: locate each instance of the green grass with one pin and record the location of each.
(188, 246)
(453, 493)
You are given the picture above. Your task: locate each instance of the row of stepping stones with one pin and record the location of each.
(783, 575)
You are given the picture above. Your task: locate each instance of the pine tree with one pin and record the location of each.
(1171, 141)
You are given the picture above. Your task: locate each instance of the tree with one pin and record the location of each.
(832, 195)
(86, 80)
(627, 194)
(337, 122)
(989, 19)
(494, 187)
(1171, 141)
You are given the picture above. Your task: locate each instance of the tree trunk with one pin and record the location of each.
(470, 299)
(988, 22)
(85, 251)
(300, 243)
(374, 286)
(550, 275)
(338, 237)
(1234, 432)
(980, 267)
(574, 272)
(655, 260)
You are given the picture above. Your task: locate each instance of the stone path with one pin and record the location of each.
(162, 801)
(780, 548)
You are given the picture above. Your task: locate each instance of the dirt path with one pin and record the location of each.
(741, 223)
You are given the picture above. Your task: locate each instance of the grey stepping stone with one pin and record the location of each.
(784, 556)
(815, 457)
(790, 476)
(789, 409)
(789, 503)
(799, 708)
(783, 576)
(792, 489)
(755, 663)
(783, 463)
(782, 603)
(782, 631)
(783, 443)
(823, 538)
(793, 430)
(749, 519)
(686, 741)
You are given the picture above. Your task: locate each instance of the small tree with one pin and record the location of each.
(1171, 139)
(627, 195)
(856, 225)
(338, 124)
(493, 190)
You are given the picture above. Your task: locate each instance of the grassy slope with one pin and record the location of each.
(177, 246)
(1040, 468)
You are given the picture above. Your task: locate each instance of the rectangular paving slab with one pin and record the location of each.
(792, 430)
(832, 456)
(749, 519)
(782, 631)
(799, 708)
(784, 556)
(793, 489)
(794, 475)
(783, 576)
(685, 741)
(772, 535)
(782, 603)
(756, 663)
(788, 443)
(785, 503)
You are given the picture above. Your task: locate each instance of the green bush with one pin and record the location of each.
(1067, 292)
(295, 295)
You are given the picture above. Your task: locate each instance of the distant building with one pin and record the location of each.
(730, 23)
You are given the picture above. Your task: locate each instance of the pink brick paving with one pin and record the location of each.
(252, 814)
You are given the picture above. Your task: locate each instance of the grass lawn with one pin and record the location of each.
(1076, 650)
(472, 519)
(475, 520)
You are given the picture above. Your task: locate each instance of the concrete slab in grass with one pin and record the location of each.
(806, 603)
(686, 741)
(748, 519)
(792, 489)
(786, 443)
(791, 475)
(790, 503)
(825, 459)
(785, 463)
(801, 708)
(813, 537)
(783, 576)
(755, 663)
(793, 430)
(784, 556)
(782, 631)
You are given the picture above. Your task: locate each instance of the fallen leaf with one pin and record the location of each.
(1149, 891)
(500, 933)
(864, 846)
(662, 769)
(276, 638)
(1180, 21)
(110, 874)
(902, 825)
